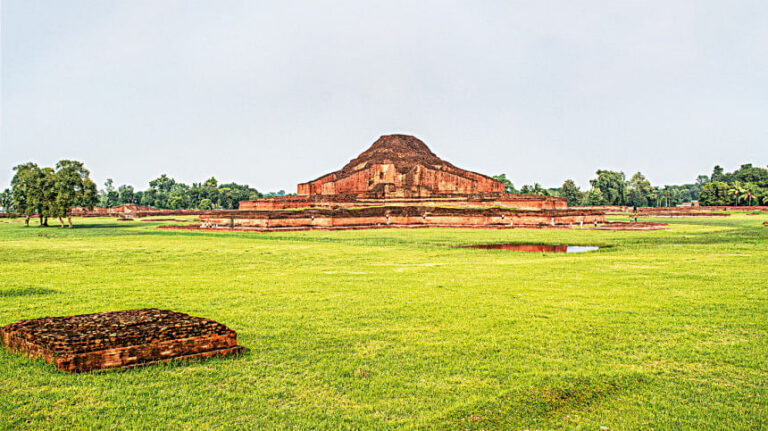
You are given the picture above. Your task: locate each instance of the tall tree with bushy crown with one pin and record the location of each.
(25, 190)
(73, 187)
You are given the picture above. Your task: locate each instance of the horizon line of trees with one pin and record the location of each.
(747, 185)
(48, 192)
(165, 192)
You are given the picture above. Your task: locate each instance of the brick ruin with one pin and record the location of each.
(519, 201)
(398, 181)
(131, 211)
(679, 211)
(119, 339)
(400, 166)
(398, 216)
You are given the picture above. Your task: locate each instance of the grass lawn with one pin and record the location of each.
(398, 328)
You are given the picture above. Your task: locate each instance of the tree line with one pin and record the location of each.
(166, 193)
(747, 185)
(53, 192)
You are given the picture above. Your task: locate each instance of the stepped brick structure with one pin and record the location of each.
(398, 181)
(120, 339)
(400, 170)
(403, 216)
(400, 166)
(507, 200)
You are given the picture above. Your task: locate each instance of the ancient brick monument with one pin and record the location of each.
(120, 339)
(397, 216)
(400, 166)
(399, 182)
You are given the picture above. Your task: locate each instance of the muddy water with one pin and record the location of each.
(537, 248)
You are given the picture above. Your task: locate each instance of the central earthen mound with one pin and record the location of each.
(119, 339)
(404, 152)
(400, 166)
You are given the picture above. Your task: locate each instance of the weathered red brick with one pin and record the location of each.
(119, 339)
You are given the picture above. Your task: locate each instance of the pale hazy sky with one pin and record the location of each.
(276, 93)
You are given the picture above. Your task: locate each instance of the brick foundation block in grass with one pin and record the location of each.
(119, 339)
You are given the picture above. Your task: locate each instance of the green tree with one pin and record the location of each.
(508, 186)
(47, 190)
(211, 182)
(751, 174)
(6, 201)
(612, 185)
(179, 197)
(570, 191)
(72, 187)
(148, 198)
(717, 174)
(637, 199)
(535, 189)
(736, 192)
(593, 197)
(109, 197)
(750, 193)
(639, 190)
(205, 204)
(160, 191)
(162, 183)
(175, 202)
(28, 188)
(231, 194)
(225, 198)
(715, 193)
(654, 197)
(125, 194)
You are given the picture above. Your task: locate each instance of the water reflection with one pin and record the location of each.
(537, 248)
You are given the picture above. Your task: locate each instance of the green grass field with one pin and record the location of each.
(398, 328)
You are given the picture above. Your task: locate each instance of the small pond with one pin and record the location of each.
(537, 248)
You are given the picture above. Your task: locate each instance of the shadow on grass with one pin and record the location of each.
(551, 398)
(76, 226)
(26, 291)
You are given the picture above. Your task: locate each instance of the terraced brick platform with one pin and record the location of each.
(119, 339)
(401, 216)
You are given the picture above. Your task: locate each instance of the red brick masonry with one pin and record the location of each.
(119, 339)
(400, 166)
(508, 200)
(398, 216)
(399, 182)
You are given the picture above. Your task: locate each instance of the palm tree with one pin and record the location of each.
(736, 191)
(747, 196)
(749, 193)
